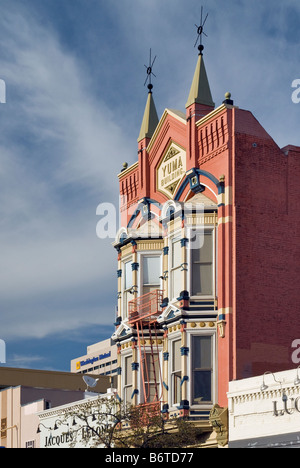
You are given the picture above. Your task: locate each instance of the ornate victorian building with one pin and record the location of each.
(207, 255)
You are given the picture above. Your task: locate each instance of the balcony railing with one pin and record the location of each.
(145, 308)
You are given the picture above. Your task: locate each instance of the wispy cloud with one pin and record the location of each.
(56, 143)
(72, 117)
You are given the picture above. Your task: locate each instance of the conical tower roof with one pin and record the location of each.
(150, 119)
(200, 90)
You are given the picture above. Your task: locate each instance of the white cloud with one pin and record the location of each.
(62, 144)
(59, 154)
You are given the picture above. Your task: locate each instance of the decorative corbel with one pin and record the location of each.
(219, 420)
(221, 327)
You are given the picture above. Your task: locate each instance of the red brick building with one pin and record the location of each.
(193, 318)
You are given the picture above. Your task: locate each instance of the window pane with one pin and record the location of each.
(126, 298)
(127, 275)
(202, 369)
(151, 368)
(176, 253)
(128, 394)
(201, 387)
(202, 246)
(202, 358)
(202, 264)
(151, 371)
(151, 270)
(177, 387)
(176, 282)
(128, 370)
(202, 279)
(176, 361)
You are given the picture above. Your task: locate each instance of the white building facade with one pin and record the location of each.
(264, 411)
(76, 425)
(100, 359)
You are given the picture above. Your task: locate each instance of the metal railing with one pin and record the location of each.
(145, 308)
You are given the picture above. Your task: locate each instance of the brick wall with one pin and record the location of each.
(267, 249)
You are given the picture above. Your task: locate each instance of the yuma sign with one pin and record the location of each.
(171, 170)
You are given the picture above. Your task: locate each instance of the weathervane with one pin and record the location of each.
(200, 32)
(150, 72)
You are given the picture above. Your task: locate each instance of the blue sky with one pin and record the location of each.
(75, 96)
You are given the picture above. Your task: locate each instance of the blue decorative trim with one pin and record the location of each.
(184, 404)
(133, 217)
(166, 386)
(183, 242)
(135, 366)
(184, 351)
(166, 356)
(165, 250)
(118, 321)
(119, 370)
(185, 378)
(123, 237)
(183, 295)
(181, 189)
(135, 266)
(198, 172)
(119, 273)
(144, 201)
(165, 408)
(184, 267)
(171, 314)
(135, 392)
(222, 317)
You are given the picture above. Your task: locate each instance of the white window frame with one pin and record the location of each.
(141, 255)
(176, 236)
(172, 404)
(192, 230)
(204, 333)
(147, 350)
(125, 292)
(123, 376)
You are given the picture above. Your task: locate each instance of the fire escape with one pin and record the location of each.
(142, 314)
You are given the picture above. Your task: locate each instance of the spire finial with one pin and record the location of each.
(150, 119)
(150, 72)
(200, 32)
